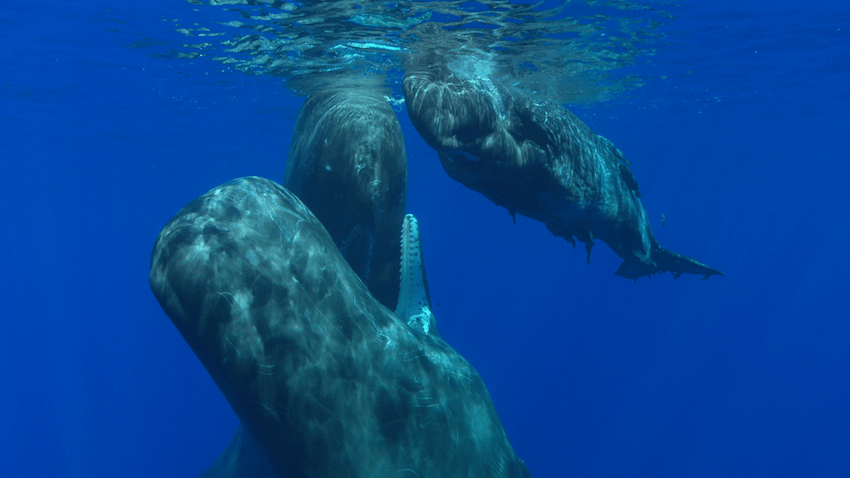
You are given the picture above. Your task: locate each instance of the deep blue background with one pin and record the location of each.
(739, 139)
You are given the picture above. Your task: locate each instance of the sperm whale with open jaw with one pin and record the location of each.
(325, 380)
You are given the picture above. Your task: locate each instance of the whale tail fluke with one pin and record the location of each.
(664, 260)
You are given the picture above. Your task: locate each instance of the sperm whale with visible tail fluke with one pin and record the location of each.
(535, 158)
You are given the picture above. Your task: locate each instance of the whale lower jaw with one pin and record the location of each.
(414, 301)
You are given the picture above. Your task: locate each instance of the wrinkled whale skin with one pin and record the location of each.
(537, 159)
(326, 380)
(347, 163)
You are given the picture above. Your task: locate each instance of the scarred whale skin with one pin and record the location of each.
(347, 163)
(328, 382)
(537, 159)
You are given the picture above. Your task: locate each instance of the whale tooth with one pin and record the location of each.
(414, 301)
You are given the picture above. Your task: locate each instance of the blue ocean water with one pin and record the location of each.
(737, 133)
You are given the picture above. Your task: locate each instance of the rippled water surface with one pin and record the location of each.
(535, 45)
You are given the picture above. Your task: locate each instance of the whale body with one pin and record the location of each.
(535, 158)
(325, 380)
(347, 163)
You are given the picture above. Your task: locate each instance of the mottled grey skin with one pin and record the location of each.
(328, 382)
(537, 159)
(347, 163)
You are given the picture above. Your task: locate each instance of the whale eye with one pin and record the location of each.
(411, 384)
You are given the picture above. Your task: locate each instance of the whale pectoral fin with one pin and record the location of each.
(414, 301)
(241, 459)
(664, 260)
